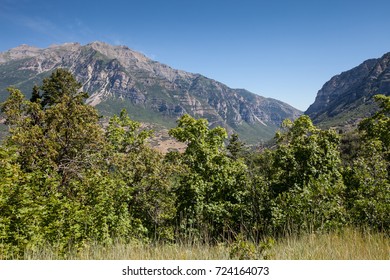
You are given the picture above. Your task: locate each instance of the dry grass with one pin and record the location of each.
(349, 245)
(162, 142)
(137, 251)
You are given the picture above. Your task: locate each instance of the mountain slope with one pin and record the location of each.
(117, 77)
(347, 97)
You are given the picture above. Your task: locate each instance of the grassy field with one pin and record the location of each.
(349, 245)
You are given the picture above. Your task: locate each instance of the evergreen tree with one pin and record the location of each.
(62, 134)
(35, 95)
(53, 148)
(61, 84)
(235, 147)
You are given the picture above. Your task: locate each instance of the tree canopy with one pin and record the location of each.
(69, 177)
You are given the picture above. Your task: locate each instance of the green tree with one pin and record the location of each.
(61, 132)
(59, 86)
(306, 181)
(212, 192)
(52, 146)
(18, 227)
(377, 126)
(235, 147)
(35, 95)
(368, 188)
(145, 176)
(367, 178)
(73, 126)
(25, 120)
(260, 175)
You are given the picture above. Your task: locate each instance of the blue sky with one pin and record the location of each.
(281, 49)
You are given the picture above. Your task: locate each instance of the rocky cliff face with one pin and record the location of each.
(117, 77)
(347, 97)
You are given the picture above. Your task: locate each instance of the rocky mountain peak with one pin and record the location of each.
(122, 53)
(19, 52)
(347, 97)
(132, 59)
(117, 77)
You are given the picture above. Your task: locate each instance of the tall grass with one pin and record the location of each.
(135, 251)
(350, 244)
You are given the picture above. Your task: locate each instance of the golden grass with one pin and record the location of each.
(350, 244)
(137, 251)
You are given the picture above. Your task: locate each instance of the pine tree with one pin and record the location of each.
(235, 147)
(35, 95)
(61, 133)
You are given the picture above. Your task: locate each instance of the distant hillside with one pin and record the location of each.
(347, 97)
(117, 77)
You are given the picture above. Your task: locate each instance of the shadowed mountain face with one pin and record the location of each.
(117, 77)
(347, 97)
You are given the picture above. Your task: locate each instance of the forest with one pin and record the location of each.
(68, 178)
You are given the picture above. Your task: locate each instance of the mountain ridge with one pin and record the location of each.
(347, 97)
(117, 77)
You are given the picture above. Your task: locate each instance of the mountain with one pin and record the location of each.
(346, 98)
(117, 77)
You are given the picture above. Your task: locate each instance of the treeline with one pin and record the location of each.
(67, 180)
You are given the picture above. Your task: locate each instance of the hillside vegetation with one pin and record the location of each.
(67, 183)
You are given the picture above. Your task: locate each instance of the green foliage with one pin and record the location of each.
(377, 126)
(58, 131)
(211, 193)
(350, 143)
(235, 147)
(53, 144)
(368, 177)
(67, 180)
(144, 174)
(368, 188)
(61, 84)
(243, 249)
(123, 134)
(17, 226)
(35, 95)
(306, 181)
